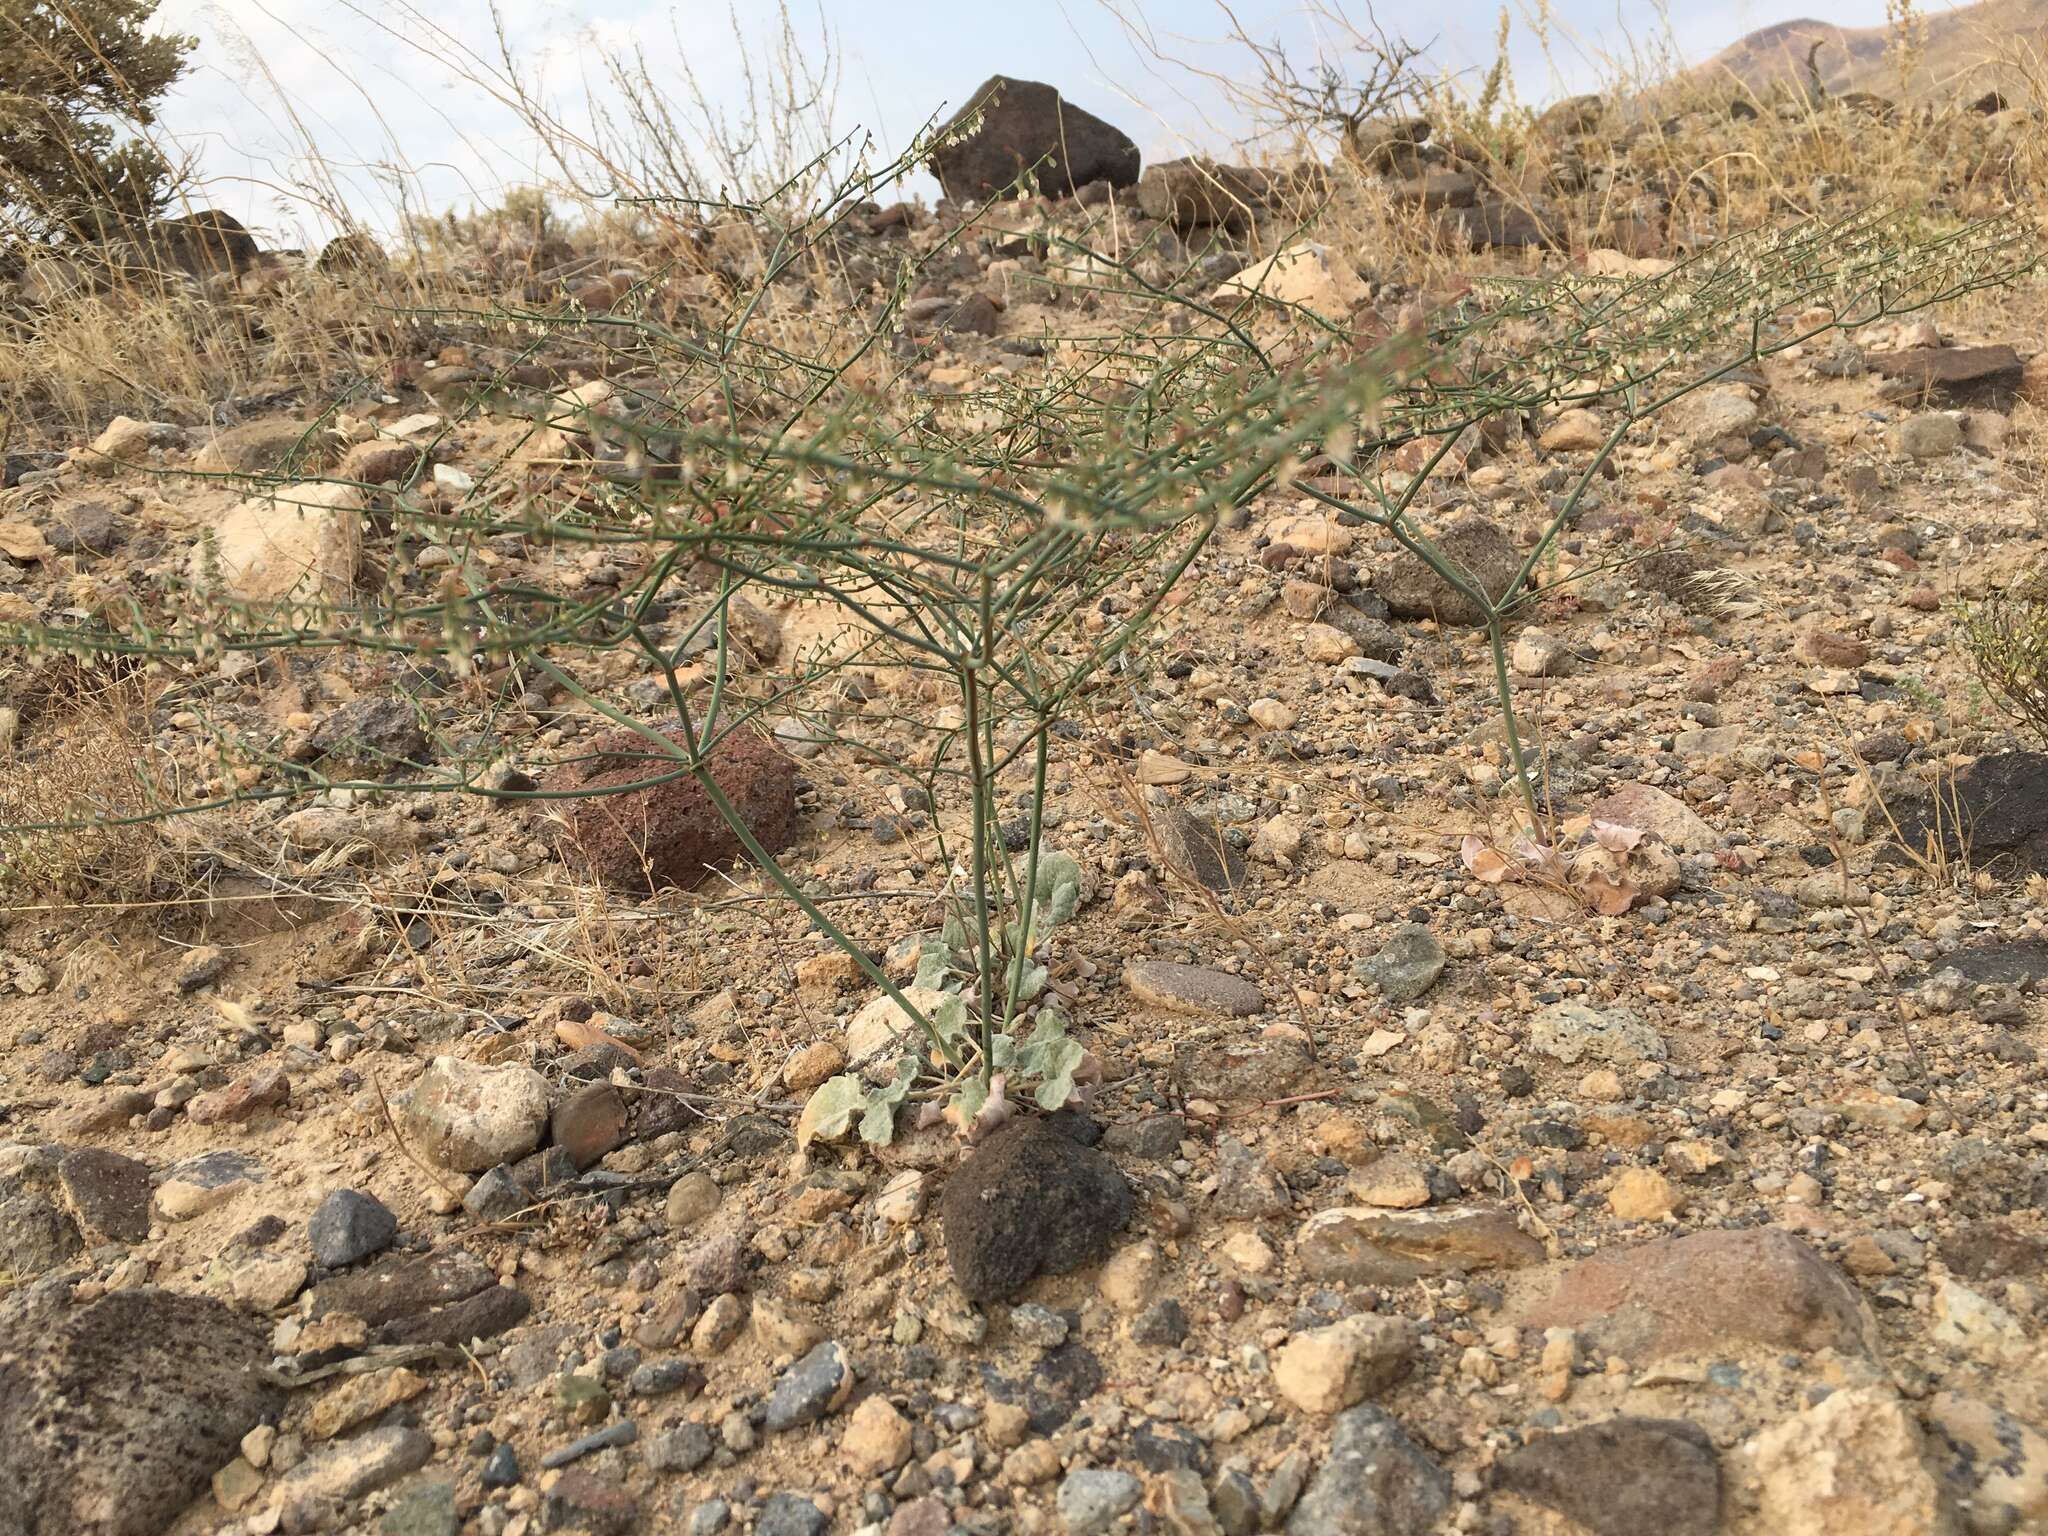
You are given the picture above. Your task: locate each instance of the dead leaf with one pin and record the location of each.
(1486, 862)
(1615, 837)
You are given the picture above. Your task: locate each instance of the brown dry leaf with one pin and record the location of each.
(1608, 897)
(1486, 862)
(1615, 837)
(23, 541)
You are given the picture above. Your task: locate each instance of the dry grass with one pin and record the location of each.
(77, 799)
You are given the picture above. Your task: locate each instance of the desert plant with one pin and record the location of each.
(1633, 347)
(2006, 634)
(79, 81)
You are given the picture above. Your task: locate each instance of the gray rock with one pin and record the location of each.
(1040, 1326)
(811, 1388)
(113, 1415)
(1248, 1186)
(428, 1510)
(1375, 1482)
(349, 1225)
(682, 1449)
(1091, 1498)
(1572, 1032)
(612, 1436)
(1407, 965)
(708, 1518)
(1930, 435)
(372, 1460)
(1235, 1503)
(501, 1467)
(1154, 1139)
(1623, 1477)
(497, 1195)
(790, 1514)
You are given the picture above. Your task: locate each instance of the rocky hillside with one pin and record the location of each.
(404, 1142)
(1968, 50)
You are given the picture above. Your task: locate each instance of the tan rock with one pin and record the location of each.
(299, 544)
(812, 1065)
(1574, 431)
(1130, 1278)
(877, 1438)
(362, 1398)
(1330, 1369)
(1643, 1194)
(1852, 1465)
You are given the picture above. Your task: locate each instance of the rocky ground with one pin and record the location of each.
(405, 1180)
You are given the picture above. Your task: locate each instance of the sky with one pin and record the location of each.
(407, 104)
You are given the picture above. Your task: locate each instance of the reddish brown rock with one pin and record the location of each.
(265, 1088)
(1710, 1292)
(670, 833)
(590, 1123)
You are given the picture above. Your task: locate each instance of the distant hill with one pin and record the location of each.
(1969, 49)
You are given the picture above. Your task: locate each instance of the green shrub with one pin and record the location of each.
(78, 80)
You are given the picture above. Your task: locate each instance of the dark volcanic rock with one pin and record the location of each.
(205, 242)
(1025, 123)
(671, 833)
(371, 735)
(114, 1415)
(108, 1194)
(402, 1285)
(1624, 1477)
(1985, 378)
(1197, 848)
(349, 1225)
(2003, 804)
(490, 1312)
(1030, 1202)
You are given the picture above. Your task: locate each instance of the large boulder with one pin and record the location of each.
(671, 833)
(114, 1415)
(1995, 812)
(1025, 125)
(205, 242)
